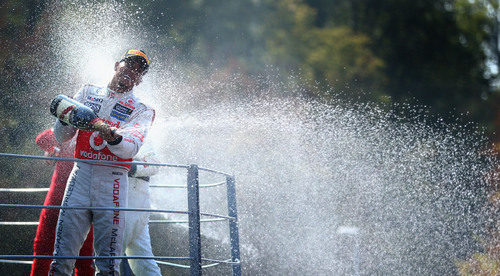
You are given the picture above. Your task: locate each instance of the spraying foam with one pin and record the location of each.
(303, 168)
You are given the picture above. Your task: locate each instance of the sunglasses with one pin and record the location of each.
(131, 61)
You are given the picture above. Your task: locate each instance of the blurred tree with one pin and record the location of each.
(427, 52)
(333, 58)
(19, 59)
(208, 33)
(432, 50)
(441, 53)
(17, 40)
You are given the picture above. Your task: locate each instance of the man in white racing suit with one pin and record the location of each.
(137, 241)
(122, 126)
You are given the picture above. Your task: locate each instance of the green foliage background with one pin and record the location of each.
(439, 53)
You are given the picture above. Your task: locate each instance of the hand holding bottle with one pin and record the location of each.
(107, 132)
(72, 112)
(82, 117)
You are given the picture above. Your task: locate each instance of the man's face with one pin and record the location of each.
(128, 73)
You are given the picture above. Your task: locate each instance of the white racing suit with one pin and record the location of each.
(99, 185)
(137, 241)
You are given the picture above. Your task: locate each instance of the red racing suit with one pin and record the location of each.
(45, 233)
(99, 185)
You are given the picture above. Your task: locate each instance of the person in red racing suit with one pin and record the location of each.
(120, 131)
(45, 233)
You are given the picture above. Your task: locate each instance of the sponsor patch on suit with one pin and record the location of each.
(95, 107)
(122, 109)
(118, 115)
(94, 99)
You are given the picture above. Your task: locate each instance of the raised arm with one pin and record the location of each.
(46, 140)
(132, 135)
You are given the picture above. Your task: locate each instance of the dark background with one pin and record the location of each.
(441, 55)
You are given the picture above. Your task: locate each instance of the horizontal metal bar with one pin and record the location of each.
(16, 262)
(217, 216)
(167, 186)
(90, 161)
(216, 263)
(35, 190)
(214, 171)
(185, 186)
(220, 261)
(24, 190)
(213, 184)
(19, 223)
(159, 262)
(30, 223)
(109, 209)
(228, 261)
(173, 264)
(92, 208)
(18, 257)
(2, 154)
(184, 221)
(210, 265)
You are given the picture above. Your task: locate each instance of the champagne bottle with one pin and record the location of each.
(72, 112)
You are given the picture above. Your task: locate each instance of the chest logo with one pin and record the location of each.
(96, 142)
(122, 109)
(95, 107)
(121, 112)
(94, 99)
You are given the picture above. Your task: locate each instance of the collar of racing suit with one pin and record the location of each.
(118, 95)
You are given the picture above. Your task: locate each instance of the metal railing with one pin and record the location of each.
(194, 216)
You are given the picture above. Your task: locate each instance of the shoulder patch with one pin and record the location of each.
(94, 106)
(92, 89)
(94, 99)
(121, 112)
(123, 109)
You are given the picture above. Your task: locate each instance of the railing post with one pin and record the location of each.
(233, 225)
(125, 269)
(194, 220)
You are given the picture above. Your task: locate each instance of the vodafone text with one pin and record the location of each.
(97, 156)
